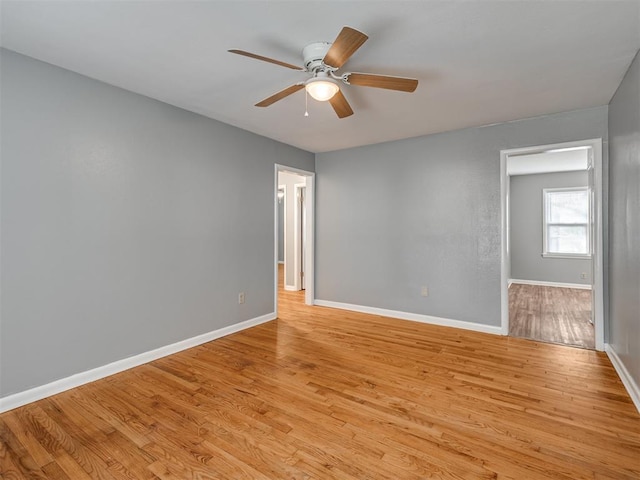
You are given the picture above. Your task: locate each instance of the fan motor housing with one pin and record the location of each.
(313, 55)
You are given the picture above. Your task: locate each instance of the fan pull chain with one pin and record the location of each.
(306, 103)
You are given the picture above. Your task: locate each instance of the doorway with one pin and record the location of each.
(294, 232)
(552, 262)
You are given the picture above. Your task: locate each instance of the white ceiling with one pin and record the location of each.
(569, 160)
(478, 62)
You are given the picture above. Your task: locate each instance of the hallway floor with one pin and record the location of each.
(551, 314)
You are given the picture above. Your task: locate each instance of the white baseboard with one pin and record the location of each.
(625, 376)
(22, 398)
(280, 262)
(416, 317)
(290, 288)
(581, 286)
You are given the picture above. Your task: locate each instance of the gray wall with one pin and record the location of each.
(127, 224)
(526, 215)
(624, 221)
(425, 211)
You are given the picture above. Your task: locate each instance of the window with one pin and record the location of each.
(567, 222)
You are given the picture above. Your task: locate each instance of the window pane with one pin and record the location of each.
(568, 207)
(563, 239)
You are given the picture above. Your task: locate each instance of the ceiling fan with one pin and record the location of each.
(322, 60)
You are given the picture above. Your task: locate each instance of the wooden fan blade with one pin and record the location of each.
(266, 59)
(280, 95)
(346, 43)
(340, 105)
(382, 81)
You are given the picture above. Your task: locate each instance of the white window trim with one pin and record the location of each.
(575, 256)
(545, 252)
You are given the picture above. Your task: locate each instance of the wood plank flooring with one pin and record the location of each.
(551, 314)
(322, 393)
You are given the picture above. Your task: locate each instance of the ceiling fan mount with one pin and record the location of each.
(322, 60)
(313, 54)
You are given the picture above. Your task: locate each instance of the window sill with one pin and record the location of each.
(567, 255)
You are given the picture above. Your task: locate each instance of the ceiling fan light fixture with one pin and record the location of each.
(322, 60)
(322, 88)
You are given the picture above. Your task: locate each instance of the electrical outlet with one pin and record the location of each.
(583, 275)
(241, 298)
(424, 291)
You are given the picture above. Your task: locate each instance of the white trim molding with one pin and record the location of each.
(298, 241)
(627, 380)
(566, 256)
(415, 317)
(58, 386)
(581, 286)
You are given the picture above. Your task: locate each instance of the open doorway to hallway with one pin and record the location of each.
(294, 233)
(552, 252)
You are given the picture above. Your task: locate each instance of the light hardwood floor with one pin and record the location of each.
(551, 314)
(322, 393)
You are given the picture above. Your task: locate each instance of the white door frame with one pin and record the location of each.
(597, 258)
(309, 296)
(284, 222)
(297, 240)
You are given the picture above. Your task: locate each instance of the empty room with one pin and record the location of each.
(320, 239)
